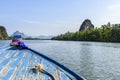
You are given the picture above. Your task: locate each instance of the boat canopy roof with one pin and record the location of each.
(17, 36)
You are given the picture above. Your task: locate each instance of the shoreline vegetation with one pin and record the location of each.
(106, 33)
(35, 39)
(30, 39)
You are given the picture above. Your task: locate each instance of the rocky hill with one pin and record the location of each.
(31, 37)
(86, 25)
(19, 33)
(3, 33)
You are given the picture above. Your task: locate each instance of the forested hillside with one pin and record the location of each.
(104, 33)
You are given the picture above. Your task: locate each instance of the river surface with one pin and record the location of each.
(92, 60)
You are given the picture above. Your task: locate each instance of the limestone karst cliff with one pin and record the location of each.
(3, 33)
(87, 24)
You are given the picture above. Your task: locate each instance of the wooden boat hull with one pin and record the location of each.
(16, 64)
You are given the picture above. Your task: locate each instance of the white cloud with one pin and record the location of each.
(32, 22)
(114, 7)
(50, 27)
(112, 13)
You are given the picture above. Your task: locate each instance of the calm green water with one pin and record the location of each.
(92, 60)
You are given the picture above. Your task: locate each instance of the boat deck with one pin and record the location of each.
(16, 64)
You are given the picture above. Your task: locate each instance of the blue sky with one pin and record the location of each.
(53, 17)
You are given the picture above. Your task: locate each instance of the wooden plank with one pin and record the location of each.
(17, 65)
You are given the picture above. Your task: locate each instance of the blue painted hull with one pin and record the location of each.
(16, 64)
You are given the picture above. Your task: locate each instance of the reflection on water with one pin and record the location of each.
(92, 60)
(86, 58)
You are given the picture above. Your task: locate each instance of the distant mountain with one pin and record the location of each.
(44, 37)
(31, 37)
(19, 33)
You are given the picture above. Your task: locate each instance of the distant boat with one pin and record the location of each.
(28, 64)
(15, 40)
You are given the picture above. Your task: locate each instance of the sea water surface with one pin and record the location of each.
(92, 60)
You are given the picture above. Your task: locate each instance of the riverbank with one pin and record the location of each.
(106, 33)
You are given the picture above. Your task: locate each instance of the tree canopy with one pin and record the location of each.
(105, 33)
